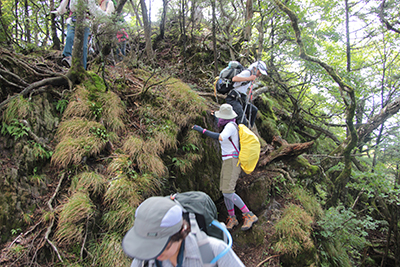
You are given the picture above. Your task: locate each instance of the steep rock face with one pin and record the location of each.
(24, 181)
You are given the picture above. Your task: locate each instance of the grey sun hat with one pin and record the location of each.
(156, 220)
(225, 112)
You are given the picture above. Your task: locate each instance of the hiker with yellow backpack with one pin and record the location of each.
(231, 167)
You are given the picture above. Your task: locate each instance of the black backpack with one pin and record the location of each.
(224, 83)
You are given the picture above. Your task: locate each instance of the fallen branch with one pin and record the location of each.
(284, 150)
(267, 259)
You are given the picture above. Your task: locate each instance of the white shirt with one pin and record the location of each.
(230, 130)
(192, 256)
(242, 87)
(94, 9)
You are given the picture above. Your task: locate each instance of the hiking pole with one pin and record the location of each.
(247, 103)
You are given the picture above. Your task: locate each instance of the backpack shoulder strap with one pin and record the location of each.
(230, 139)
(207, 255)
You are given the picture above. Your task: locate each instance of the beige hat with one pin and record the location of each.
(225, 112)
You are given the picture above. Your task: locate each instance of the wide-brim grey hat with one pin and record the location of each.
(225, 112)
(156, 220)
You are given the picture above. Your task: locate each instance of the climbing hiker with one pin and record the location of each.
(238, 97)
(122, 37)
(72, 7)
(161, 237)
(230, 171)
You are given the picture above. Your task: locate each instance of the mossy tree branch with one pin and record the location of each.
(349, 100)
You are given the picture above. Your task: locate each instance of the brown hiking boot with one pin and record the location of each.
(231, 222)
(249, 219)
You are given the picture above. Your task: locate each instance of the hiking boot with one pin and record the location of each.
(249, 219)
(66, 62)
(231, 222)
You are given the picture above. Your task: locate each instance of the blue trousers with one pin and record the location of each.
(70, 41)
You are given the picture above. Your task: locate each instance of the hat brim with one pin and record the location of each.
(225, 116)
(136, 246)
(263, 72)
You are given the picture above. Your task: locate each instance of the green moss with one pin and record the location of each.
(293, 237)
(253, 237)
(94, 83)
(309, 202)
(303, 168)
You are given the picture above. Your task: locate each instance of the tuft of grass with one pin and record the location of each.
(310, 203)
(120, 191)
(113, 112)
(17, 109)
(151, 163)
(133, 146)
(77, 141)
(73, 150)
(91, 181)
(121, 199)
(72, 218)
(164, 140)
(120, 220)
(76, 127)
(146, 154)
(109, 252)
(79, 105)
(293, 231)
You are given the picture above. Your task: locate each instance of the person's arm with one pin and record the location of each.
(62, 9)
(244, 78)
(211, 134)
(95, 10)
(230, 259)
(110, 8)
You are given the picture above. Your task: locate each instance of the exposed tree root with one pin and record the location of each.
(15, 71)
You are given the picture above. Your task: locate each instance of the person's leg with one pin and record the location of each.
(229, 175)
(123, 48)
(237, 201)
(252, 113)
(69, 41)
(85, 46)
(237, 107)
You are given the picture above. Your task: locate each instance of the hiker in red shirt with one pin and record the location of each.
(122, 37)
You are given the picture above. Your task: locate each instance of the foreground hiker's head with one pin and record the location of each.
(260, 66)
(158, 224)
(225, 112)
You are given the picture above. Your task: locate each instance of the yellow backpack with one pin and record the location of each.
(249, 153)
